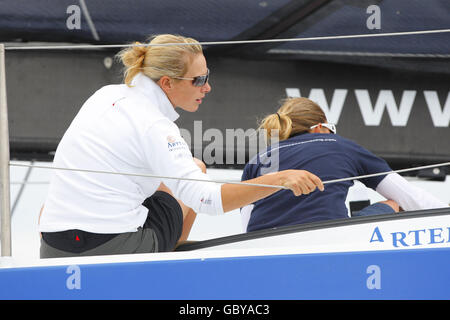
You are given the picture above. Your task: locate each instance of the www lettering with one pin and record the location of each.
(372, 108)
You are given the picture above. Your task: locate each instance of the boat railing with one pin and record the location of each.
(195, 245)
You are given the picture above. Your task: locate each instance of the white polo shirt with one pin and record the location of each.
(122, 129)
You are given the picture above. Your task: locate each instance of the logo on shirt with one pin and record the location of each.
(206, 201)
(173, 144)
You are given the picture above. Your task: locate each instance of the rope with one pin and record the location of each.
(95, 46)
(360, 54)
(389, 172)
(147, 175)
(230, 181)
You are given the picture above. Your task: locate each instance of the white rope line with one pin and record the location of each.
(89, 20)
(230, 181)
(353, 36)
(148, 175)
(389, 172)
(359, 53)
(28, 182)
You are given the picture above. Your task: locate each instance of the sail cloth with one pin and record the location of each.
(134, 20)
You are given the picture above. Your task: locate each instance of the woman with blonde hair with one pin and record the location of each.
(129, 128)
(307, 141)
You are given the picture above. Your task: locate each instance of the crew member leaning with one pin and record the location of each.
(130, 128)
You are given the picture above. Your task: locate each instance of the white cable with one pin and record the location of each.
(229, 181)
(388, 172)
(28, 182)
(95, 46)
(89, 20)
(147, 175)
(359, 54)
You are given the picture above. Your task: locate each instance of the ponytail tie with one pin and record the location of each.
(279, 118)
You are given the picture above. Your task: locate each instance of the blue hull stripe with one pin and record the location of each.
(398, 274)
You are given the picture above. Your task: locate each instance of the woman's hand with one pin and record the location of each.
(300, 181)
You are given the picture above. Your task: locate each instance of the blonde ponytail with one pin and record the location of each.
(159, 60)
(296, 115)
(276, 124)
(133, 60)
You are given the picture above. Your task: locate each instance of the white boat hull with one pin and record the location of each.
(384, 257)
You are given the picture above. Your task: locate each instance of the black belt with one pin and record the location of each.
(76, 241)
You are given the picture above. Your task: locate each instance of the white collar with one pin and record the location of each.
(150, 89)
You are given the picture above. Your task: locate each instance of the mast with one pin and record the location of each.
(4, 162)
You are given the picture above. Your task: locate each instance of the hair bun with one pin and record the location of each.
(139, 52)
(139, 49)
(134, 56)
(159, 60)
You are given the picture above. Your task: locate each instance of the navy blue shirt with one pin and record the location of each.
(328, 156)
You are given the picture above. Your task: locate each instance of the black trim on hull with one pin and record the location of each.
(195, 245)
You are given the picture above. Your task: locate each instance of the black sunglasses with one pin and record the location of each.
(199, 81)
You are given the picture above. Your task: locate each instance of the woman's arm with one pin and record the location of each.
(408, 196)
(175, 159)
(299, 181)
